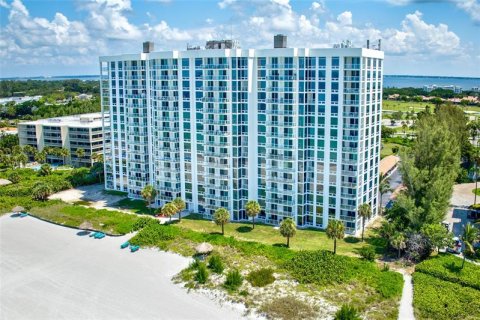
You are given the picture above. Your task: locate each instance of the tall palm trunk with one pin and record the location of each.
(363, 227)
(288, 242)
(223, 230)
(253, 222)
(335, 246)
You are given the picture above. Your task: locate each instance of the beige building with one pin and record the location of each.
(72, 132)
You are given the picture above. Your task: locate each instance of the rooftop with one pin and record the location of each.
(87, 120)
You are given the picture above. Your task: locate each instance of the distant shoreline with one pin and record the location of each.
(98, 76)
(389, 81)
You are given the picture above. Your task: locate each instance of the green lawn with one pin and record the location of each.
(136, 206)
(387, 149)
(392, 105)
(404, 106)
(303, 240)
(112, 222)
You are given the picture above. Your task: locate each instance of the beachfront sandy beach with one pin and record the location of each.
(50, 272)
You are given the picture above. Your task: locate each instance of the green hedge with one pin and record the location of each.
(437, 299)
(448, 268)
(325, 268)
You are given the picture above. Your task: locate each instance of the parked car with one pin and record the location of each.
(473, 215)
(457, 246)
(389, 204)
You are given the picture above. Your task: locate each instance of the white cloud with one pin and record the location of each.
(226, 3)
(471, 7)
(4, 4)
(107, 19)
(418, 37)
(345, 18)
(107, 29)
(318, 6)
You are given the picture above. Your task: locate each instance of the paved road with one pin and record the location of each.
(395, 180)
(49, 272)
(405, 311)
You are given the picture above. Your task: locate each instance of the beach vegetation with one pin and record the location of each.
(347, 312)
(261, 277)
(234, 280)
(215, 264)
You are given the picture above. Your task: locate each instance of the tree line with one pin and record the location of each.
(12, 88)
(430, 168)
(33, 110)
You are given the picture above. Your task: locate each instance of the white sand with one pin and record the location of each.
(49, 272)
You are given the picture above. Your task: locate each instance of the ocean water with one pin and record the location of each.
(389, 81)
(392, 81)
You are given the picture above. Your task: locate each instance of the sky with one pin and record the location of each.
(66, 37)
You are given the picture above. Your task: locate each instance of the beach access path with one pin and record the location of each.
(50, 272)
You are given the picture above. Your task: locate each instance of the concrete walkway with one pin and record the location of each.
(406, 303)
(51, 272)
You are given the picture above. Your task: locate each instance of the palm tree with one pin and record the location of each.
(180, 204)
(149, 193)
(470, 234)
(80, 153)
(64, 153)
(398, 242)
(252, 209)
(288, 229)
(169, 210)
(21, 159)
(383, 188)
(45, 170)
(404, 128)
(335, 230)
(221, 216)
(40, 157)
(97, 157)
(29, 150)
(364, 211)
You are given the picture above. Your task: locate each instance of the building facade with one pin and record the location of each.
(296, 129)
(72, 132)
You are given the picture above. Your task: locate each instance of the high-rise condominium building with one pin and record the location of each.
(297, 129)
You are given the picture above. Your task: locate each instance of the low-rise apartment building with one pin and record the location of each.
(72, 133)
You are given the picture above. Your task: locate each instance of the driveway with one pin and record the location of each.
(462, 197)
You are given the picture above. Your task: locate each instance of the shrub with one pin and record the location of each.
(289, 308)
(234, 280)
(215, 263)
(448, 268)
(261, 277)
(154, 234)
(202, 273)
(324, 268)
(14, 177)
(442, 300)
(367, 253)
(417, 247)
(45, 170)
(143, 222)
(41, 191)
(347, 312)
(475, 206)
